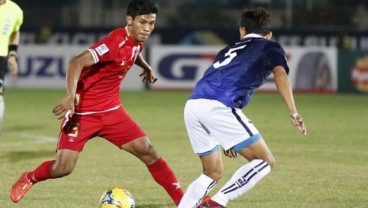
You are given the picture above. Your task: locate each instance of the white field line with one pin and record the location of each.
(28, 139)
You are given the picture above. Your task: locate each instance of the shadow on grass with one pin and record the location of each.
(16, 156)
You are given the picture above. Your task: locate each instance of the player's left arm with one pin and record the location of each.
(285, 90)
(147, 74)
(12, 54)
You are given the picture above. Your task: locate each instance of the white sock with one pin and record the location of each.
(196, 191)
(2, 108)
(244, 179)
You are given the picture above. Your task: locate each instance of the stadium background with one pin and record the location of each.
(325, 40)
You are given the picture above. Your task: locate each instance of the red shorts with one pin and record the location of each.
(115, 126)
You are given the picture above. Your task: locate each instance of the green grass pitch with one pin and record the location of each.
(327, 169)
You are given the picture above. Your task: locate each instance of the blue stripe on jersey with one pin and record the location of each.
(238, 70)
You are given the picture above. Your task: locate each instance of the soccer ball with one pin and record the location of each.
(117, 198)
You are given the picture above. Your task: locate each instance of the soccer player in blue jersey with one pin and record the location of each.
(213, 115)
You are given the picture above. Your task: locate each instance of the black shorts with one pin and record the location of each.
(3, 71)
(3, 67)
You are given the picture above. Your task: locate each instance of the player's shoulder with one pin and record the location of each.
(117, 35)
(120, 32)
(14, 6)
(273, 44)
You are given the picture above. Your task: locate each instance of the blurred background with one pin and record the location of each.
(325, 40)
(338, 17)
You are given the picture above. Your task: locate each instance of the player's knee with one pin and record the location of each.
(149, 150)
(144, 147)
(145, 151)
(215, 174)
(268, 158)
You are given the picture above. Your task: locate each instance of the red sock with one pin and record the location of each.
(164, 176)
(41, 173)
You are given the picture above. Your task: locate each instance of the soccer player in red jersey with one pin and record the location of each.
(92, 105)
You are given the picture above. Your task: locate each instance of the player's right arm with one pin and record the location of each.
(12, 54)
(285, 90)
(75, 68)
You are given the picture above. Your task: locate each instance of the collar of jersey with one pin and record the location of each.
(252, 35)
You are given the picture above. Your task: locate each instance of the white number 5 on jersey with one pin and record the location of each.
(231, 54)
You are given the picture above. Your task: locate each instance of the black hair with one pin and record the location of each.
(256, 21)
(141, 7)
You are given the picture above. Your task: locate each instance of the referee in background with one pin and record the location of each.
(11, 19)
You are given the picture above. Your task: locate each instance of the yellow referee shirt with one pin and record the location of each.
(11, 18)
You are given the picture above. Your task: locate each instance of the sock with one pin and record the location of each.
(41, 173)
(2, 108)
(164, 176)
(244, 179)
(196, 191)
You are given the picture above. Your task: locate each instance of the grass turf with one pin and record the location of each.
(327, 169)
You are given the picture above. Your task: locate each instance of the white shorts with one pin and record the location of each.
(210, 123)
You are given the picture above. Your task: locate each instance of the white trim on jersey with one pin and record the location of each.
(94, 55)
(94, 112)
(252, 35)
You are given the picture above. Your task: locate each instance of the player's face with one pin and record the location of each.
(142, 26)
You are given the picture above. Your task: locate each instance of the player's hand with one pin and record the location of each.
(13, 66)
(64, 107)
(297, 121)
(148, 76)
(230, 153)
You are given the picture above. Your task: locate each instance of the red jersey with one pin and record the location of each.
(99, 84)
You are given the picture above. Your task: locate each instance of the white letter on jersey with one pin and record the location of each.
(231, 54)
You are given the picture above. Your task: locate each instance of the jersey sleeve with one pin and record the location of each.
(275, 56)
(19, 20)
(107, 48)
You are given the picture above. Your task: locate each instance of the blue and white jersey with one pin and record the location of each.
(239, 69)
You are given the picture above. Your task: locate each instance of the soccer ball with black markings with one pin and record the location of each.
(117, 198)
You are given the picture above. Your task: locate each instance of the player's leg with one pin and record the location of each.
(247, 176)
(3, 69)
(235, 131)
(68, 148)
(195, 114)
(63, 165)
(156, 165)
(122, 131)
(2, 108)
(200, 187)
